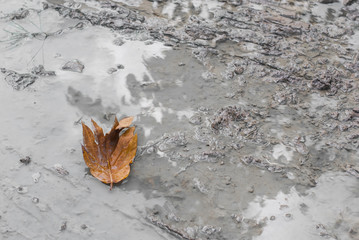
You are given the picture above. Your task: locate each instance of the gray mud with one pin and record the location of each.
(247, 115)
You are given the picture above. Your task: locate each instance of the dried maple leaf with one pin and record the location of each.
(109, 156)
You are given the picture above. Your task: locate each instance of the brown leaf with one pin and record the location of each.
(124, 123)
(109, 156)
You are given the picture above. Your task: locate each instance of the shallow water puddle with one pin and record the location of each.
(107, 66)
(328, 210)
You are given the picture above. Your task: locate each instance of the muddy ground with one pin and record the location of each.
(247, 115)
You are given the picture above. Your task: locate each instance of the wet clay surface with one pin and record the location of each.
(246, 111)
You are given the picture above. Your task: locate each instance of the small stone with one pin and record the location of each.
(209, 230)
(288, 215)
(83, 226)
(238, 70)
(227, 180)
(25, 160)
(237, 218)
(36, 177)
(63, 226)
(251, 189)
(272, 218)
(120, 66)
(222, 163)
(150, 150)
(35, 200)
(181, 64)
(74, 66)
(21, 189)
(195, 120)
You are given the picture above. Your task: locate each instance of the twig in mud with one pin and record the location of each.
(183, 169)
(168, 228)
(274, 164)
(41, 48)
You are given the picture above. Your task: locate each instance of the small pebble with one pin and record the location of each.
(25, 160)
(21, 189)
(83, 226)
(120, 66)
(150, 150)
(36, 177)
(228, 180)
(35, 200)
(272, 218)
(195, 120)
(251, 189)
(63, 226)
(73, 66)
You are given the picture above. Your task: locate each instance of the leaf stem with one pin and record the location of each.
(111, 179)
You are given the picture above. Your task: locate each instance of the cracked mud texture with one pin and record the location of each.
(247, 114)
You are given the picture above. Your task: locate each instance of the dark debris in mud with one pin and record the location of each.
(26, 160)
(112, 16)
(40, 71)
(19, 81)
(331, 80)
(277, 34)
(190, 232)
(73, 66)
(227, 115)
